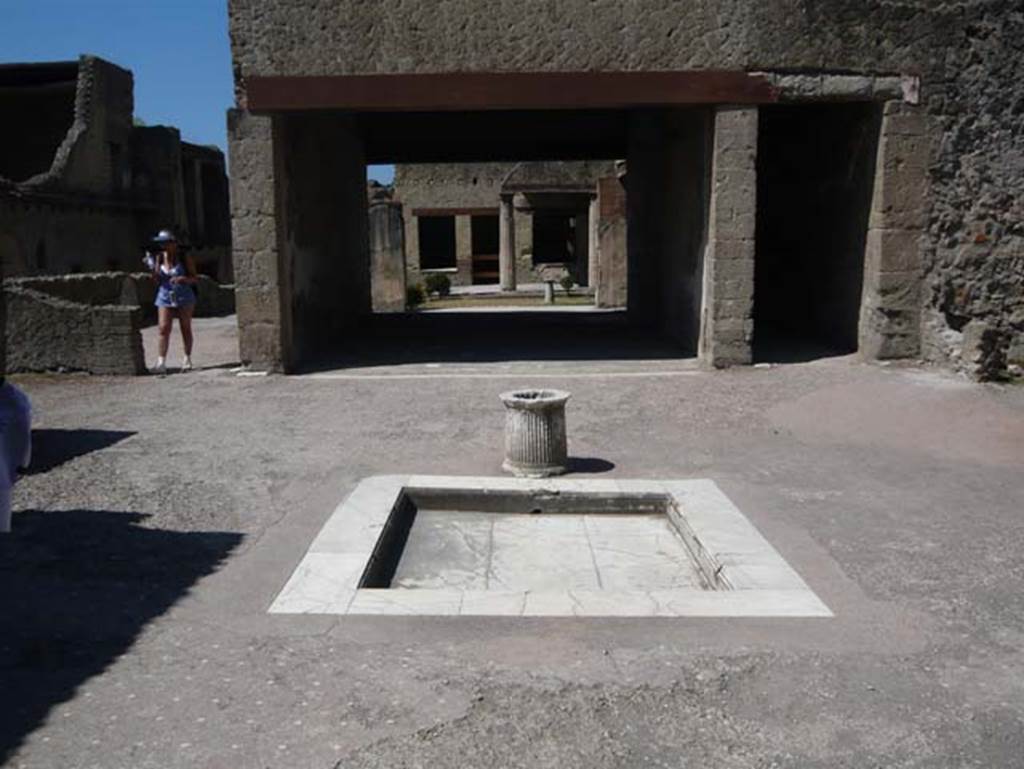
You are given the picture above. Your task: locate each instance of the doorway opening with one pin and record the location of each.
(484, 247)
(437, 242)
(569, 197)
(554, 238)
(815, 171)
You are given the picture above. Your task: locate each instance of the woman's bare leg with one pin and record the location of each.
(185, 323)
(165, 318)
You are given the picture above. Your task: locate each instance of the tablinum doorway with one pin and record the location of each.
(815, 171)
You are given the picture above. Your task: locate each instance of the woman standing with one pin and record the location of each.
(175, 296)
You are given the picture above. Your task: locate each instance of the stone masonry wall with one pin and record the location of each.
(890, 320)
(263, 319)
(966, 52)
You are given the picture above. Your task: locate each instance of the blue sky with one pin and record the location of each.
(178, 51)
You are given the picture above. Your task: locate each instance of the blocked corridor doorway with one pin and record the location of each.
(815, 171)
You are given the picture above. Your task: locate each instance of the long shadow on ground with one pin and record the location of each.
(486, 337)
(52, 448)
(76, 589)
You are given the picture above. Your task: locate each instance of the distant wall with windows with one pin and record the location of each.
(451, 217)
(447, 208)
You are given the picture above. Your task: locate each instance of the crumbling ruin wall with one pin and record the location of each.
(967, 54)
(82, 188)
(63, 236)
(36, 119)
(64, 214)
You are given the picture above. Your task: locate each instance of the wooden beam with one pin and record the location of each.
(475, 91)
(455, 211)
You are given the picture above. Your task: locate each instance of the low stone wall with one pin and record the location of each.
(90, 322)
(95, 288)
(46, 332)
(124, 288)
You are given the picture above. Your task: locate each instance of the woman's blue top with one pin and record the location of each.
(170, 295)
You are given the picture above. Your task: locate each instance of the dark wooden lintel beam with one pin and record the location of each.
(475, 91)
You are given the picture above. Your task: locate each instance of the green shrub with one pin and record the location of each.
(567, 283)
(438, 283)
(414, 296)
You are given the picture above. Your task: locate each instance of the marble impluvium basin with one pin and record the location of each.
(445, 545)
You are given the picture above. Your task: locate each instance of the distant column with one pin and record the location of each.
(593, 253)
(507, 244)
(612, 287)
(463, 251)
(387, 256)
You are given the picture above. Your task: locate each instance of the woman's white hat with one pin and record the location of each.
(165, 236)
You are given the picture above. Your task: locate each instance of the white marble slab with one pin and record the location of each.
(541, 552)
(558, 564)
(323, 583)
(388, 601)
(639, 552)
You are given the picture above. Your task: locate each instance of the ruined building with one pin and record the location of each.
(82, 187)
(797, 172)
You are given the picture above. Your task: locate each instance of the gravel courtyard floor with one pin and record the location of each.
(163, 515)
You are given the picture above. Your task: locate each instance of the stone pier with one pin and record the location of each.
(727, 324)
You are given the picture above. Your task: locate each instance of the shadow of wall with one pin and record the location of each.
(78, 587)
